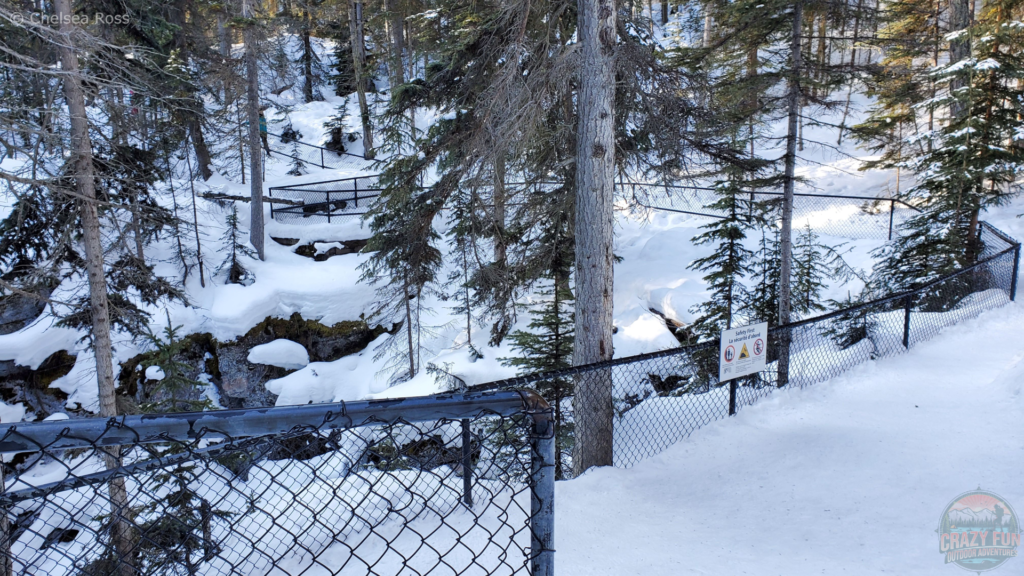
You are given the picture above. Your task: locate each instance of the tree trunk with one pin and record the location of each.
(307, 58)
(664, 12)
(85, 185)
(195, 130)
(255, 145)
(786, 233)
(223, 34)
(359, 65)
(396, 31)
(500, 241)
(959, 48)
(595, 179)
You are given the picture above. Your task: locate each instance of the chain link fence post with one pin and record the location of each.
(542, 497)
(1016, 268)
(908, 303)
(467, 463)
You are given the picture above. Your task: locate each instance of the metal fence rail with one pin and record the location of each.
(318, 156)
(659, 399)
(457, 484)
(843, 216)
(326, 201)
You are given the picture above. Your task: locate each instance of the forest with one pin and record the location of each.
(510, 148)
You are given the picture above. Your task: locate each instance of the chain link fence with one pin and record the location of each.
(641, 405)
(457, 484)
(327, 201)
(859, 217)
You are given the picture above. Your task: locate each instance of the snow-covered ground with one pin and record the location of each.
(845, 477)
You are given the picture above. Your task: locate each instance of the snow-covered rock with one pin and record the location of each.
(281, 353)
(154, 373)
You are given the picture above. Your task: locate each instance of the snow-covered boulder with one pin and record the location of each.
(281, 353)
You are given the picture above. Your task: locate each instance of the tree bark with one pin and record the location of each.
(664, 12)
(359, 65)
(595, 179)
(223, 34)
(199, 146)
(255, 144)
(396, 31)
(307, 58)
(959, 19)
(85, 185)
(786, 248)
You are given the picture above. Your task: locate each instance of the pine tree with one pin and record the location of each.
(762, 303)
(547, 346)
(728, 265)
(809, 273)
(179, 522)
(237, 247)
(972, 163)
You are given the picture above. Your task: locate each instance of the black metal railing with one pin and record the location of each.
(313, 155)
(447, 484)
(836, 215)
(326, 201)
(661, 398)
(842, 216)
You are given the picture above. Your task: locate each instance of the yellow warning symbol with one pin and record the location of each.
(744, 353)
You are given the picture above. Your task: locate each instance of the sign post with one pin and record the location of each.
(742, 351)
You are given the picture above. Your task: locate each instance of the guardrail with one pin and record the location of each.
(462, 481)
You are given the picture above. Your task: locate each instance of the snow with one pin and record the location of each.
(281, 353)
(849, 476)
(154, 373)
(348, 378)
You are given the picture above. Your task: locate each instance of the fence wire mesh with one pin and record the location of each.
(333, 493)
(329, 201)
(860, 217)
(658, 399)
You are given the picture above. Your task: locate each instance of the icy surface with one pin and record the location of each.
(281, 353)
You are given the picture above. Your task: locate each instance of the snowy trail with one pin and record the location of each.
(846, 477)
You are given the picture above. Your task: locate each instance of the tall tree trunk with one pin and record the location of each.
(195, 130)
(709, 24)
(960, 17)
(255, 144)
(359, 66)
(396, 31)
(500, 240)
(307, 57)
(786, 233)
(85, 186)
(664, 12)
(223, 34)
(595, 180)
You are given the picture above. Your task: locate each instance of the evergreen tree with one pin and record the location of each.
(809, 273)
(728, 265)
(547, 346)
(237, 246)
(762, 304)
(971, 163)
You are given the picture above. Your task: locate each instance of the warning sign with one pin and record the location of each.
(751, 359)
